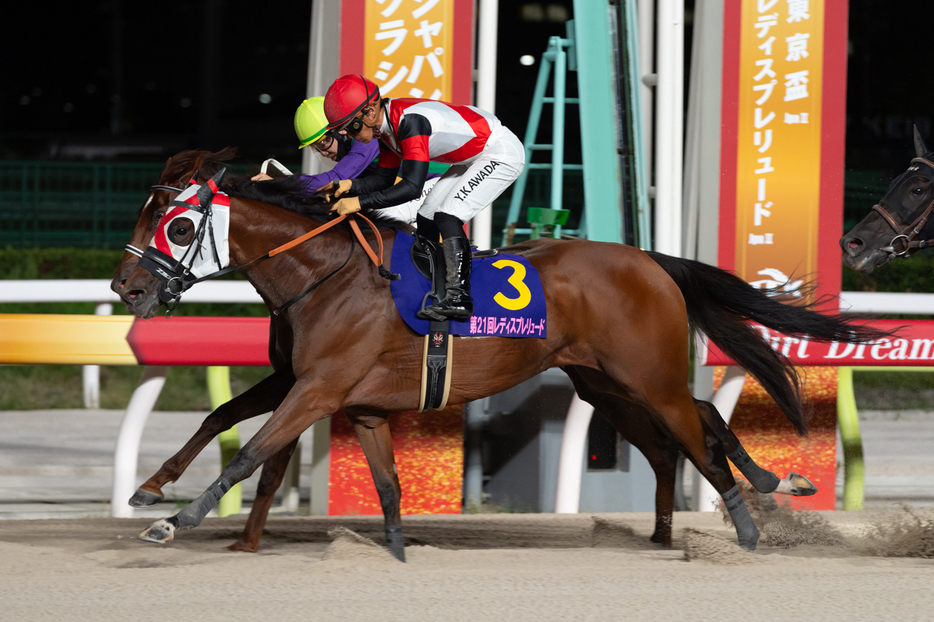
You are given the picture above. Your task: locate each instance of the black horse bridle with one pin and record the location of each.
(175, 278)
(905, 237)
(174, 275)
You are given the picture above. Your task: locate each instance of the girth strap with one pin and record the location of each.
(437, 358)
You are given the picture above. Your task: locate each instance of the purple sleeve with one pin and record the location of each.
(349, 167)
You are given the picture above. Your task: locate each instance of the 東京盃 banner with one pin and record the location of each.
(783, 121)
(410, 48)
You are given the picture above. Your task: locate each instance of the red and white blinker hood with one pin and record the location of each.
(209, 250)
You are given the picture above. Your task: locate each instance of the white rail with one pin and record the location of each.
(146, 394)
(881, 302)
(98, 290)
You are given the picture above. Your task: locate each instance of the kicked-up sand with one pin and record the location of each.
(869, 565)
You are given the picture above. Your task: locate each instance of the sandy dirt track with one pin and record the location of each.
(478, 567)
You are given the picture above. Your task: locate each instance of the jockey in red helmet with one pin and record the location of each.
(484, 158)
(345, 98)
(353, 158)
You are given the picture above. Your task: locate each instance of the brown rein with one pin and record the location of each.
(376, 259)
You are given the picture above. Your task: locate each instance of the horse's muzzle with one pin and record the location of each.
(867, 262)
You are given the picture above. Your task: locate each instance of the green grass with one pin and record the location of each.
(911, 381)
(888, 390)
(35, 387)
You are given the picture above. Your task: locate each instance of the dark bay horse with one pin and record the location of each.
(622, 336)
(900, 222)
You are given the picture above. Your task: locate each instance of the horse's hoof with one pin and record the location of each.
(750, 540)
(395, 542)
(243, 547)
(796, 485)
(159, 532)
(663, 540)
(143, 498)
(398, 551)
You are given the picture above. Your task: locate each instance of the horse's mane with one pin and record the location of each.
(183, 163)
(289, 192)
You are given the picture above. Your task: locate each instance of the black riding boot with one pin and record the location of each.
(426, 228)
(457, 303)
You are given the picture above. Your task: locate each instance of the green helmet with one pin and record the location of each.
(310, 122)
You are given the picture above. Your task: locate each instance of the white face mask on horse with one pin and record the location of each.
(180, 261)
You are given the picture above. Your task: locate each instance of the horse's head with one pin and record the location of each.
(900, 222)
(189, 244)
(177, 172)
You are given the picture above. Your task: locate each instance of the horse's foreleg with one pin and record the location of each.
(376, 440)
(264, 397)
(273, 472)
(298, 411)
(763, 480)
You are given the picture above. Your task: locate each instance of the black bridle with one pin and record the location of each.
(174, 275)
(906, 238)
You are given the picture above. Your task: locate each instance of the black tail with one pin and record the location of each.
(720, 304)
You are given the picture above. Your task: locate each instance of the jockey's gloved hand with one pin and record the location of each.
(347, 206)
(336, 188)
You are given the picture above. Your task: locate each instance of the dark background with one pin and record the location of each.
(113, 79)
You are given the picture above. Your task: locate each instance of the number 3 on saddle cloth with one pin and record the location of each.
(507, 295)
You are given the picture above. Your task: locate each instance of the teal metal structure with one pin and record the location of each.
(596, 79)
(555, 55)
(589, 51)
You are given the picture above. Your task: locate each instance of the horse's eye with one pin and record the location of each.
(917, 191)
(181, 231)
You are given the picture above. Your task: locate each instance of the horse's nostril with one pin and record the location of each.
(854, 243)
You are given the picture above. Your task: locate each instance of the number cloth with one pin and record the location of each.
(507, 294)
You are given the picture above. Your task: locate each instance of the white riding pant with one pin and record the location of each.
(465, 189)
(406, 212)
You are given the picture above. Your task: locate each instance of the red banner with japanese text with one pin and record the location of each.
(410, 48)
(783, 121)
(782, 152)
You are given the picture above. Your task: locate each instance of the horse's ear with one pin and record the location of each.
(219, 177)
(920, 147)
(207, 191)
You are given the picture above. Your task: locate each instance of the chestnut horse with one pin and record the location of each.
(630, 321)
(900, 222)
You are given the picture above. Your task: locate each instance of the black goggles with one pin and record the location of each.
(354, 126)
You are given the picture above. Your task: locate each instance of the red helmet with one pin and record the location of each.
(347, 96)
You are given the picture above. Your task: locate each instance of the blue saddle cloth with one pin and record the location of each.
(507, 295)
